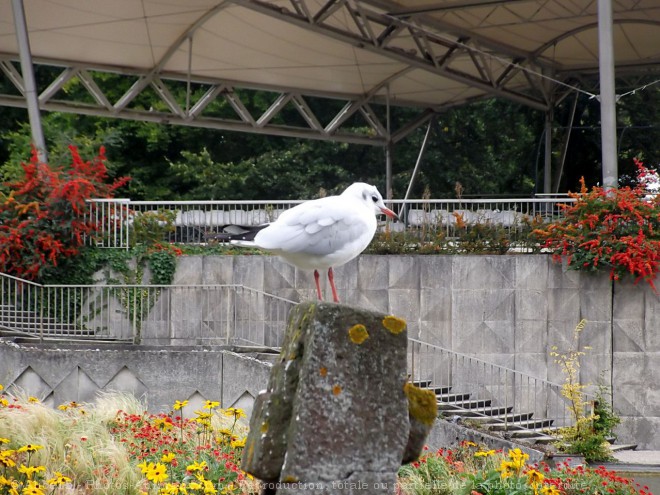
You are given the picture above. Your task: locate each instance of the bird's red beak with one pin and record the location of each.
(389, 213)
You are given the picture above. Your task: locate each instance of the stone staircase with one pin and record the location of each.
(483, 415)
(502, 421)
(28, 326)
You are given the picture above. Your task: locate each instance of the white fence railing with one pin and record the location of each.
(496, 386)
(231, 314)
(201, 221)
(146, 314)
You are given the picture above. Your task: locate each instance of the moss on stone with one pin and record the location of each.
(422, 404)
(394, 324)
(358, 334)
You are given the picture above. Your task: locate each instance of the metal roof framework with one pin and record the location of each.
(190, 56)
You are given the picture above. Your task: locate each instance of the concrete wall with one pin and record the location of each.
(509, 310)
(158, 376)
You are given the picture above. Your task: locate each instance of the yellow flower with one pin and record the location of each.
(144, 467)
(236, 413)
(1, 387)
(172, 489)
(28, 471)
(228, 489)
(4, 440)
(30, 448)
(209, 488)
(534, 477)
(4, 481)
(33, 400)
(484, 453)
(196, 466)
(168, 458)
(33, 488)
(59, 479)
(506, 469)
(63, 407)
(157, 473)
(4, 402)
(6, 460)
(238, 443)
(193, 485)
(550, 490)
(518, 458)
(180, 405)
(211, 404)
(203, 415)
(163, 424)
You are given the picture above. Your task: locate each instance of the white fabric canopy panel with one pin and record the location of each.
(364, 53)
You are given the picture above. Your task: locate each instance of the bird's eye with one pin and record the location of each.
(374, 198)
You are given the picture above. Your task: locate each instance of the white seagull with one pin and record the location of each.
(326, 232)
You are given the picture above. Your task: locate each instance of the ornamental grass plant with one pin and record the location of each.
(114, 446)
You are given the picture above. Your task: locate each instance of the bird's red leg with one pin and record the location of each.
(318, 284)
(331, 278)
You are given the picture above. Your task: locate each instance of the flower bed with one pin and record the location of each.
(115, 446)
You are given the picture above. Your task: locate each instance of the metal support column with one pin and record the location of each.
(388, 149)
(607, 95)
(29, 82)
(547, 168)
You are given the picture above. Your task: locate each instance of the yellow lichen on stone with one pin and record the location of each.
(290, 479)
(323, 371)
(264, 427)
(358, 334)
(336, 390)
(394, 324)
(422, 403)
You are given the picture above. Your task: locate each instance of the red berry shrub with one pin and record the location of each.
(46, 217)
(616, 230)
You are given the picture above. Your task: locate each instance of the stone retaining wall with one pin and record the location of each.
(508, 310)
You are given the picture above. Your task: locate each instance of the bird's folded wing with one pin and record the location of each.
(318, 229)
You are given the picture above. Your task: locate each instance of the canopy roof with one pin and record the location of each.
(363, 53)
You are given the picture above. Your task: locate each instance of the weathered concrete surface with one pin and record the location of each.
(508, 310)
(57, 374)
(335, 418)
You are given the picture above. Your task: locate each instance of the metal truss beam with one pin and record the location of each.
(180, 109)
(377, 32)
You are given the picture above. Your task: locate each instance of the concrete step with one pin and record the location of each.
(623, 446)
(440, 390)
(452, 397)
(422, 383)
(535, 424)
(503, 418)
(485, 413)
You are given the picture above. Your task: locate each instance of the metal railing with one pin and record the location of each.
(233, 314)
(201, 221)
(146, 314)
(502, 387)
